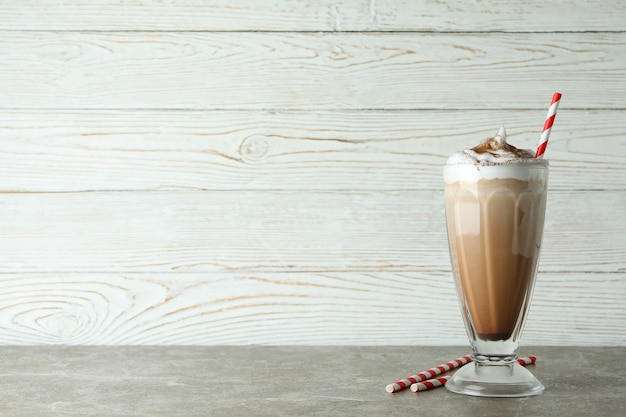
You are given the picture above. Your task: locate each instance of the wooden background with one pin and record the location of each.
(269, 171)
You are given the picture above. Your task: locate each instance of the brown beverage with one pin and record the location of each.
(494, 229)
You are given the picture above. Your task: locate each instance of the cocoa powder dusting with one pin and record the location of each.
(493, 146)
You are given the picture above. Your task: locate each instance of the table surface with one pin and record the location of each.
(288, 381)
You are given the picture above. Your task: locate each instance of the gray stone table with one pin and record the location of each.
(288, 381)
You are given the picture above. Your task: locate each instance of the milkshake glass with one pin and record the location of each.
(495, 198)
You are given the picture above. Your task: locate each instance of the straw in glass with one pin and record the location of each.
(547, 126)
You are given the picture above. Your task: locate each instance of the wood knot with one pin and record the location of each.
(254, 148)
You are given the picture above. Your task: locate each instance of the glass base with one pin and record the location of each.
(486, 380)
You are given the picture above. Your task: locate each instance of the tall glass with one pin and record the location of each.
(495, 216)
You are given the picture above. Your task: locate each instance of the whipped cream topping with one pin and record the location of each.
(492, 159)
(493, 151)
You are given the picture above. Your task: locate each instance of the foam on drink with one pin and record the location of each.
(495, 205)
(493, 151)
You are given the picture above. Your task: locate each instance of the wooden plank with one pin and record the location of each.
(501, 15)
(567, 306)
(257, 150)
(279, 231)
(347, 308)
(186, 15)
(56, 70)
(320, 15)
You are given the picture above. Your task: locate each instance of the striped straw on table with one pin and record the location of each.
(430, 384)
(428, 374)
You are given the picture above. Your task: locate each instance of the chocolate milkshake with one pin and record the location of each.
(495, 196)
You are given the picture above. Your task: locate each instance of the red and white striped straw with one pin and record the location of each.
(547, 126)
(441, 381)
(430, 384)
(428, 374)
(527, 360)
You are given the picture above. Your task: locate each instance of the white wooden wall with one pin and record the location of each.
(269, 171)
